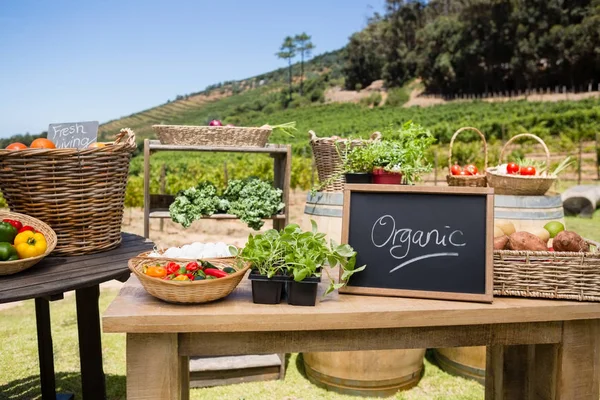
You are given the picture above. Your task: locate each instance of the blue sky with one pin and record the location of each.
(66, 61)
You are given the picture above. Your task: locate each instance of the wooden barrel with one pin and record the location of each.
(527, 212)
(363, 373)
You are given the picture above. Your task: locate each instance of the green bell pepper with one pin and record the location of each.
(7, 232)
(8, 252)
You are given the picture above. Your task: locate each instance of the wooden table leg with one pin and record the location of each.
(90, 343)
(562, 371)
(46, 355)
(154, 368)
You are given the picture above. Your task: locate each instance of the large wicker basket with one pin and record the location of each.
(479, 180)
(12, 267)
(548, 274)
(326, 153)
(79, 193)
(218, 136)
(520, 185)
(185, 291)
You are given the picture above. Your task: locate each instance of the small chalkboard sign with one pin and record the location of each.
(430, 242)
(77, 135)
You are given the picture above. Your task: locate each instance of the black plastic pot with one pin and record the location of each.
(267, 290)
(358, 177)
(303, 293)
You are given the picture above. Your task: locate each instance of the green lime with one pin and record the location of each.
(554, 227)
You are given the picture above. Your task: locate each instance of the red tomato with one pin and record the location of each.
(527, 171)
(471, 169)
(512, 168)
(463, 173)
(455, 169)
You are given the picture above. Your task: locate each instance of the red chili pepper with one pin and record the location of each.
(27, 228)
(17, 224)
(172, 267)
(192, 266)
(190, 275)
(217, 273)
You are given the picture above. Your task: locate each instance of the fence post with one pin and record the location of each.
(580, 161)
(162, 184)
(598, 155)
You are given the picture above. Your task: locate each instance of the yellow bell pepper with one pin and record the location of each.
(29, 244)
(181, 278)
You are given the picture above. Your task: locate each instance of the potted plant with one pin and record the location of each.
(403, 158)
(301, 257)
(358, 163)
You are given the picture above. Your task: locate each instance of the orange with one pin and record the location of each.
(16, 146)
(42, 143)
(96, 145)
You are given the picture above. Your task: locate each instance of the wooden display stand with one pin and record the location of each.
(225, 370)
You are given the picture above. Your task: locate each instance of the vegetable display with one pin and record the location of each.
(192, 271)
(299, 254)
(20, 242)
(249, 199)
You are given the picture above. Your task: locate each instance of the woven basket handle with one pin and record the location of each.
(375, 136)
(467, 128)
(312, 135)
(529, 135)
(125, 136)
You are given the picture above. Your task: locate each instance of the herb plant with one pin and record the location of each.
(358, 159)
(299, 254)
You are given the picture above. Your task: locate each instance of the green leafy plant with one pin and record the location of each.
(358, 158)
(299, 254)
(252, 199)
(193, 203)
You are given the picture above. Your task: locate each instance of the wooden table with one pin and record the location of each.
(47, 281)
(537, 349)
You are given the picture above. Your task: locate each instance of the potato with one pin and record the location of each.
(498, 232)
(541, 233)
(500, 242)
(569, 241)
(507, 227)
(526, 241)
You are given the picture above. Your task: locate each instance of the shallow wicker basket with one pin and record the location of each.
(518, 184)
(79, 193)
(218, 136)
(326, 153)
(479, 180)
(12, 267)
(548, 274)
(185, 291)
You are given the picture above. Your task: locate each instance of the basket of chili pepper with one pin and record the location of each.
(192, 282)
(24, 242)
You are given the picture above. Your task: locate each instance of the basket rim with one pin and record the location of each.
(553, 253)
(216, 128)
(466, 177)
(142, 276)
(51, 243)
(492, 171)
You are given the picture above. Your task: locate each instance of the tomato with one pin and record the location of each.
(455, 169)
(156, 271)
(464, 173)
(41, 143)
(96, 145)
(471, 169)
(16, 146)
(512, 168)
(528, 171)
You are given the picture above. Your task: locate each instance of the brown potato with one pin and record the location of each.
(526, 241)
(500, 242)
(569, 241)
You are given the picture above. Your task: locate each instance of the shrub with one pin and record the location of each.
(397, 97)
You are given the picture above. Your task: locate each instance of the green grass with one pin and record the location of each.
(588, 228)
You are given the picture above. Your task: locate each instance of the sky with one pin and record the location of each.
(93, 60)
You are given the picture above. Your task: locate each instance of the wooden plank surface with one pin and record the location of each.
(268, 149)
(55, 275)
(134, 310)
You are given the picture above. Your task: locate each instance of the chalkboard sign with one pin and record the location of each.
(425, 242)
(77, 135)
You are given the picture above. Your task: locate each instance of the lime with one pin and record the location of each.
(554, 227)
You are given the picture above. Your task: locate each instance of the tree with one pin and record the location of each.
(287, 51)
(304, 47)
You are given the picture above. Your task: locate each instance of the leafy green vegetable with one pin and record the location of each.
(252, 199)
(191, 204)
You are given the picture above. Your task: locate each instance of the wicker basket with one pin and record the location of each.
(518, 184)
(467, 180)
(79, 193)
(548, 275)
(218, 136)
(12, 267)
(185, 291)
(328, 161)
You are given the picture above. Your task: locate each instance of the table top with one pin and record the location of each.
(136, 311)
(55, 275)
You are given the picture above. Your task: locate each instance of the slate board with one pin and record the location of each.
(420, 241)
(73, 134)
